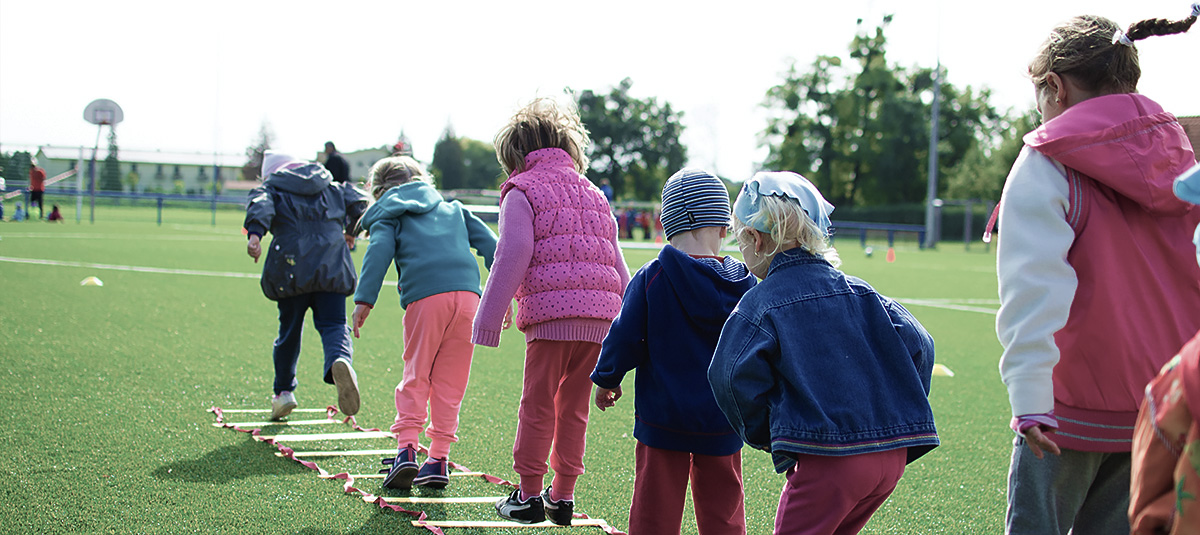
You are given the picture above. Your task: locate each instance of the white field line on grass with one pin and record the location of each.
(952, 304)
(963, 305)
(142, 269)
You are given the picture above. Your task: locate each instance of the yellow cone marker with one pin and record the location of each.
(942, 370)
(91, 281)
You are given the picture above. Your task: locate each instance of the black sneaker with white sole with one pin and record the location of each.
(559, 512)
(401, 470)
(526, 512)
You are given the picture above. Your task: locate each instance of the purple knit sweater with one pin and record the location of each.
(557, 254)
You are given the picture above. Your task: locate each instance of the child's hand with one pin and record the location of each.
(359, 317)
(350, 240)
(254, 247)
(508, 317)
(606, 398)
(1039, 442)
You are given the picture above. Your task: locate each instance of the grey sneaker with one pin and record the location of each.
(559, 512)
(282, 404)
(526, 512)
(347, 386)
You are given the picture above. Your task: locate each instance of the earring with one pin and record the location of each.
(1057, 100)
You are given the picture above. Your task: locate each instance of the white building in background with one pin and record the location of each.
(149, 171)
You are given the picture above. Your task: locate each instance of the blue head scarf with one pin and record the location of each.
(782, 184)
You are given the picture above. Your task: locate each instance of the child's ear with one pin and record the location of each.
(760, 242)
(724, 232)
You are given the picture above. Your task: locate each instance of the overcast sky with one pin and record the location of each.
(203, 76)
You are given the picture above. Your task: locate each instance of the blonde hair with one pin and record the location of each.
(1088, 49)
(789, 224)
(542, 124)
(392, 171)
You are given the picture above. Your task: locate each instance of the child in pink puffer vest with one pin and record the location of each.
(558, 255)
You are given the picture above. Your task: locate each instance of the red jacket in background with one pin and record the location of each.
(37, 179)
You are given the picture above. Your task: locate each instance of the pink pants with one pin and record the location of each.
(837, 495)
(437, 365)
(554, 412)
(660, 488)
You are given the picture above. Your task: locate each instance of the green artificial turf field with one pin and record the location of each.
(107, 390)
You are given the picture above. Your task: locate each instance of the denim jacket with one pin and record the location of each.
(813, 361)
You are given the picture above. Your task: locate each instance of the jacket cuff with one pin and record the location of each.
(366, 304)
(485, 338)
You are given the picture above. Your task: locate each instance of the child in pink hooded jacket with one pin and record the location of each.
(558, 255)
(1096, 293)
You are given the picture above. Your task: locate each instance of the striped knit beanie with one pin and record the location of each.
(691, 199)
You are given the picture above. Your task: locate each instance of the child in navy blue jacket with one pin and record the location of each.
(817, 368)
(670, 319)
(308, 266)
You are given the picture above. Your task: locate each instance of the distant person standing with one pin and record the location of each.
(336, 163)
(607, 189)
(3, 186)
(37, 187)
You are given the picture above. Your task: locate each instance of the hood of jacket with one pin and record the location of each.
(696, 288)
(308, 179)
(409, 198)
(1124, 141)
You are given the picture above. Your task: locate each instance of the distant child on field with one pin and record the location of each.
(429, 240)
(670, 320)
(19, 213)
(1096, 293)
(558, 255)
(1164, 494)
(308, 266)
(55, 215)
(817, 368)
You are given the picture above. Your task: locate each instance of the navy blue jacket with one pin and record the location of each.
(670, 319)
(306, 213)
(814, 361)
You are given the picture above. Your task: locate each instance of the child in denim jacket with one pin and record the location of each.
(817, 368)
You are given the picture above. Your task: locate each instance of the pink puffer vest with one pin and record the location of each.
(573, 272)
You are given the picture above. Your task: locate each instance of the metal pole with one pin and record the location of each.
(931, 237)
(79, 187)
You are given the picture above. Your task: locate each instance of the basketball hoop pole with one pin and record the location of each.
(92, 174)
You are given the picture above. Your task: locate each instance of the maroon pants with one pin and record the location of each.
(660, 487)
(837, 495)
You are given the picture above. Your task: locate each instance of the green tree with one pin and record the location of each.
(448, 167)
(862, 136)
(110, 172)
(482, 168)
(635, 142)
(254, 153)
(983, 169)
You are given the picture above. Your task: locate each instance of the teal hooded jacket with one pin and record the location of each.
(428, 239)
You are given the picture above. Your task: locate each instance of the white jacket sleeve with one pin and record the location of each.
(1036, 283)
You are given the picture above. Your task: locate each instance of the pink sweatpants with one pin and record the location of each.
(837, 495)
(554, 412)
(437, 365)
(660, 488)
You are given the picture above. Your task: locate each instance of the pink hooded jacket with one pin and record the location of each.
(1136, 298)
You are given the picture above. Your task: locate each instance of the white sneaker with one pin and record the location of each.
(347, 386)
(282, 404)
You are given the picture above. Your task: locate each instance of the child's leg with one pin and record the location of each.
(659, 489)
(287, 345)
(1049, 495)
(836, 495)
(451, 371)
(422, 333)
(571, 406)
(545, 364)
(329, 317)
(717, 494)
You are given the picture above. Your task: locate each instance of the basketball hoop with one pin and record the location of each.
(103, 112)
